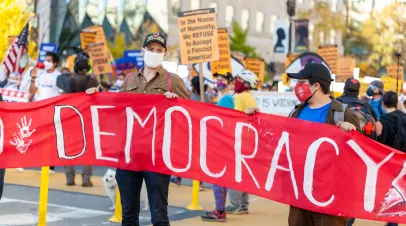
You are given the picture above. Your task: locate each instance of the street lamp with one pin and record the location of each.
(291, 10)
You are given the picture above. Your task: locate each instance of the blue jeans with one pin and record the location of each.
(130, 183)
(2, 173)
(352, 220)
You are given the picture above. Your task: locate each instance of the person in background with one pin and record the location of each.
(43, 82)
(224, 80)
(151, 79)
(80, 83)
(243, 83)
(265, 87)
(120, 80)
(350, 97)
(274, 88)
(196, 90)
(376, 91)
(389, 124)
(65, 70)
(176, 181)
(313, 91)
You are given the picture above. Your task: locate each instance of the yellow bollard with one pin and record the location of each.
(43, 197)
(118, 212)
(194, 205)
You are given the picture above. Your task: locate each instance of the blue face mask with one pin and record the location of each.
(370, 91)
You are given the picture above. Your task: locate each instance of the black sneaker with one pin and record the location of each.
(214, 216)
(236, 210)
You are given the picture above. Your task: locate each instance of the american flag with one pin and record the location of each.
(15, 51)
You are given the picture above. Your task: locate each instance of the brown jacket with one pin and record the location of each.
(136, 82)
(335, 106)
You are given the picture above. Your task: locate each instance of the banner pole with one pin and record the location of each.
(194, 205)
(118, 212)
(43, 197)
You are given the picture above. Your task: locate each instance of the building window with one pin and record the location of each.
(213, 5)
(311, 3)
(175, 7)
(272, 25)
(334, 5)
(333, 35)
(229, 15)
(299, 1)
(260, 22)
(194, 4)
(245, 18)
(311, 31)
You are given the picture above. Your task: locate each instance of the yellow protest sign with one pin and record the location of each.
(224, 62)
(70, 63)
(289, 59)
(99, 55)
(390, 84)
(346, 69)
(87, 37)
(331, 55)
(394, 71)
(198, 36)
(256, 65)
(99, 33)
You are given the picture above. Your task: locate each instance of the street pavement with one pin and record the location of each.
(77, 206)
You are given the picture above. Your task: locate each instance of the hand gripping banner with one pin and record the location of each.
(308, 165)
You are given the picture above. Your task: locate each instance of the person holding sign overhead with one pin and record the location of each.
(151, 79)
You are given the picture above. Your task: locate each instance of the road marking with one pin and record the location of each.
(55, 213)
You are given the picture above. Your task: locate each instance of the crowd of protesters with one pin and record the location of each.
(382, 109)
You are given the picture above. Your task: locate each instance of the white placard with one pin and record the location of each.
(276, 103)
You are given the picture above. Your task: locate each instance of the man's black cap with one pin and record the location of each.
(155, 37)
(352, 86)
(315, 71)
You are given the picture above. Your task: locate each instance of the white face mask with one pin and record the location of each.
(153, 60)
(47, 65)
(119, 83)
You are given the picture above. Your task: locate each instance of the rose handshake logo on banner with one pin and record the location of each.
(308, 165)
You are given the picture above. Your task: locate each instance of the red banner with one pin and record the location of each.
(308, 165)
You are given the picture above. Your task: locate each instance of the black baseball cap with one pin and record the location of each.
(316, 71)
(155, 37)
(352, 86)
(227, 75)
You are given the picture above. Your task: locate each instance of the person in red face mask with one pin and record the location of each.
(313, 89)
(244, 100)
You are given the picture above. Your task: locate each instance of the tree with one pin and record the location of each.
(13, 18)
(238, 41)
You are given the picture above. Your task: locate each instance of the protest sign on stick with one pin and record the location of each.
(224, 62)
(87, 37)
(198, 39)
(346, 69)
(331, 55)
(100, 58)
(256, 65)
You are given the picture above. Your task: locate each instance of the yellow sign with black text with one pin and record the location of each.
(256, 65)
(198, 36)
(224, 62)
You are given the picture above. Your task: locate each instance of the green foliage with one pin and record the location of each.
(238, 41)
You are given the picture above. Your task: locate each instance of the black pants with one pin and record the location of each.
(2, 173)
(130, 183)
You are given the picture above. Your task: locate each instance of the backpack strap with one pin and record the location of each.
(339, 115)
(292, 112)
(170, 87)
(130, 76)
